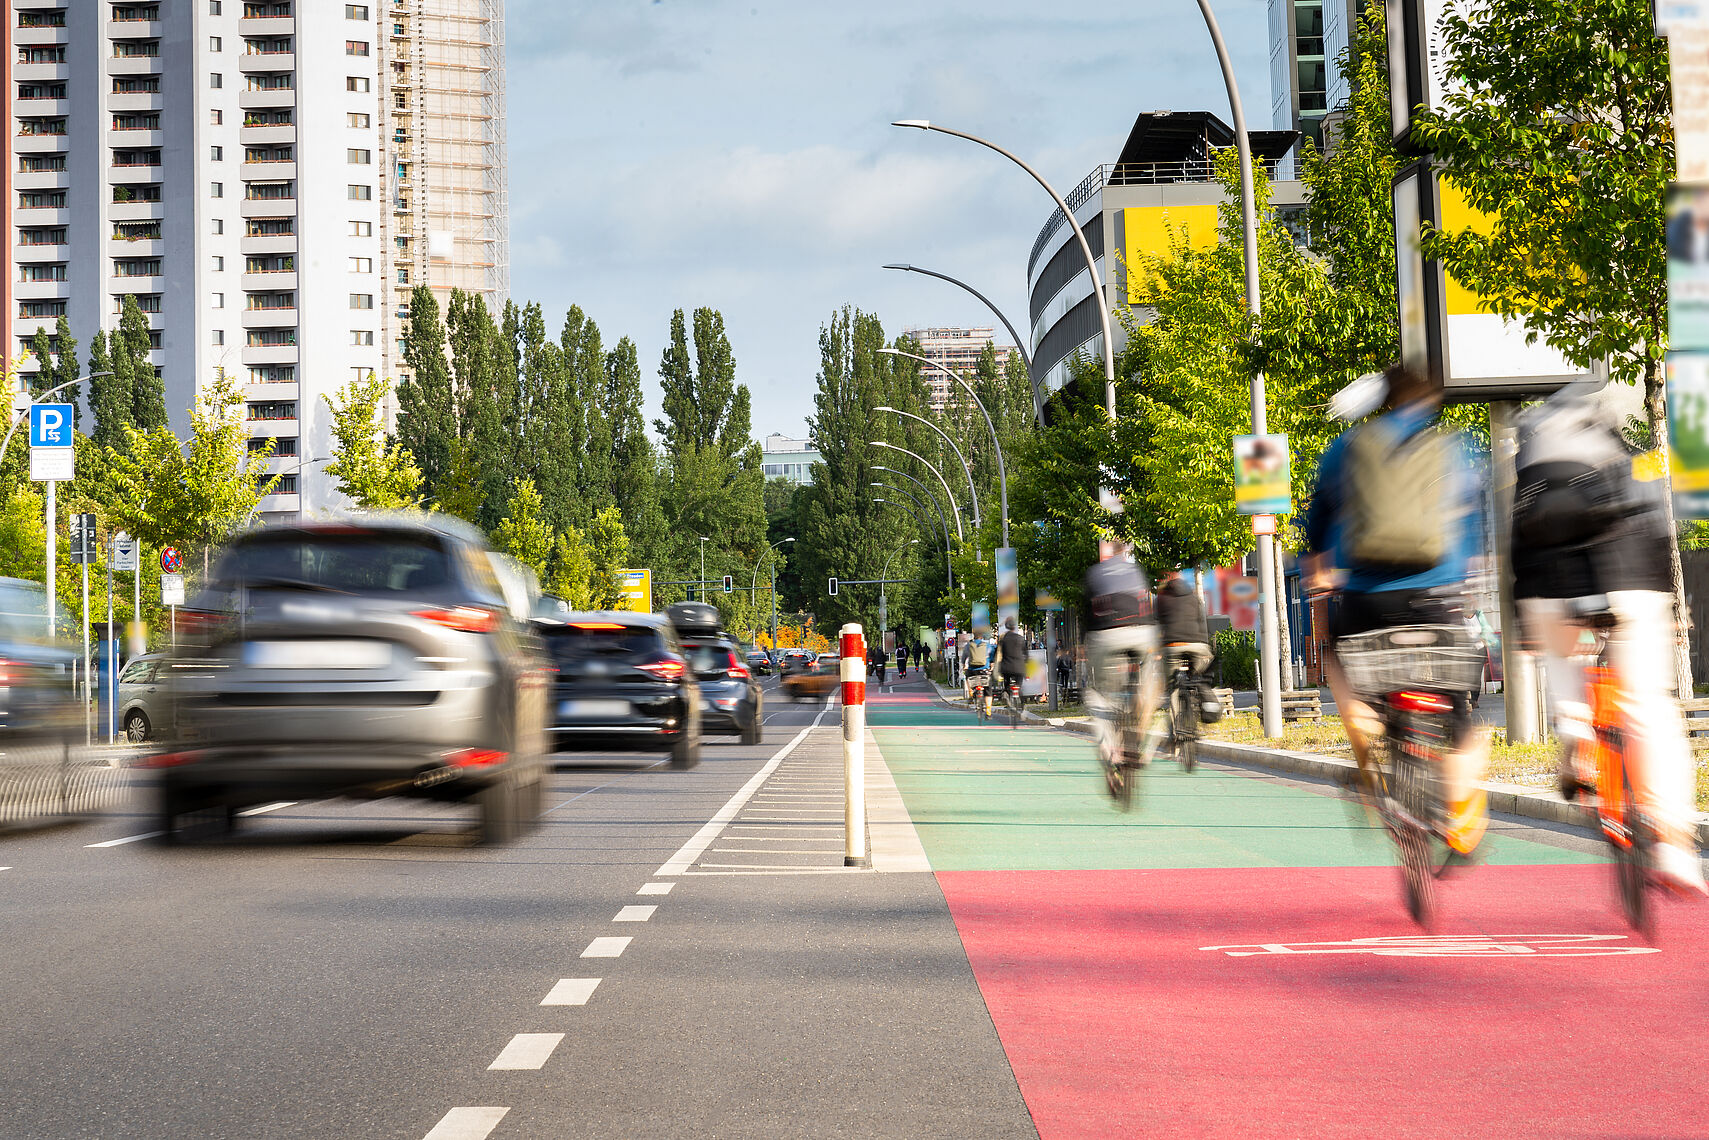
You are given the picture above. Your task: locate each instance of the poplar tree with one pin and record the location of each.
(427, 408)
(131, 348)
(634, 459)
(109, 395)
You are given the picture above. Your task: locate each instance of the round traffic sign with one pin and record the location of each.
(170, 560)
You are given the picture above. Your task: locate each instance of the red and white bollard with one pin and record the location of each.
(854, 747)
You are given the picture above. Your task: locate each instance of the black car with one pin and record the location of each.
(730, 699)
(623, 683)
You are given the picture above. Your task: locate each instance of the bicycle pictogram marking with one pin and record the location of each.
(1453, 946)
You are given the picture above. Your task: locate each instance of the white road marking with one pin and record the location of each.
(762, 851)
(125, 840)
(635, 914)
(607, 947)
(571, 991)
(467, 1124)
(265, 808)
(702, 839)
(777, 866)
(527, 1051)
(5, 868)
(655, 888)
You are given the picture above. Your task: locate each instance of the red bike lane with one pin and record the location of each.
(1233, 958)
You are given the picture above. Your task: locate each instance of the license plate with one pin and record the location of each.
(317, 654)
(593, 710)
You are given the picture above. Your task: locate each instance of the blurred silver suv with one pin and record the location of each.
(370, 656)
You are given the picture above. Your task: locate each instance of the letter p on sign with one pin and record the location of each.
(50, 425)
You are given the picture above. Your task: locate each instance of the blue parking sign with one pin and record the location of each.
(50, 425)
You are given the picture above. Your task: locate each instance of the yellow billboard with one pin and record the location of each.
(1151, 231)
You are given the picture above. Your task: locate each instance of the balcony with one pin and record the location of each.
(281, 504)
(123, 285)
(31, 253)
(269, 171)
(58, 108)
(272, 354)
(139, 247)
(259, 26)
(269, 208)
(268, 318)
(135, 211)
(134, 138)
(41, 290)
(138, 175)
(135, 30)
(38, 37)
(266, 100)
(272, 134)
(272, 427)
(255, 246)
(40, 144)
(133, 65)
(41, 180)
(269, 392)
(276, 282)
(266, 62)
(41, 72)
(42, 216)
(128, 102)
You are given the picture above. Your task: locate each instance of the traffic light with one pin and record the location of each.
(729, 583)
(82, 538)
(833, 587)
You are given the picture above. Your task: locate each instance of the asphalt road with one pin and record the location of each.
(360, 970)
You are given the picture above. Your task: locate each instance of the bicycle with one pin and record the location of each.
(1013, 701)
(1121, 771)
(1183, 706)
(978, 685)
(1420, 678)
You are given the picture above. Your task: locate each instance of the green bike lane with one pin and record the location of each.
(1232, 957)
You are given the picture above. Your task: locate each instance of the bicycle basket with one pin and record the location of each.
(1446, 658)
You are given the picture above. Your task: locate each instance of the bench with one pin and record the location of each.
(1303, 704)
(1696, 713)
(1226, 698)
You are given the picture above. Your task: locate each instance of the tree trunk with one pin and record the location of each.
(1655, 409)
(1282, 632)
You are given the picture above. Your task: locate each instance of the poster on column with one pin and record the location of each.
(1240, 596)
(1008, 586)
(1688, 432)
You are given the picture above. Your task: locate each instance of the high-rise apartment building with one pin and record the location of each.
(958, 350)
(235, 165)
(1306, 39)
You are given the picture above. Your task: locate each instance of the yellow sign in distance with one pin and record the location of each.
(636, 587)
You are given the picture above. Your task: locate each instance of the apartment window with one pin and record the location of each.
(356, 47)
(282, 81)
(219, 225)
(136, 158)
(136, 122)
(126, 13)
(361, 336)
(40, 163)
(42, 237)
(216, 154)
(215, 43)
(271, 227)
(358, 157)
(271, 410)
(41, 200)
(270, 190)
(219, 265)
(357, 83)
(403, 277)
(41, 90)
(274, 374)
(216, 189)
(400, 101)
(357, 300)
(149, 192)
(361, 229)
(359, 193)
(282, 444)
(271, 263)
(264, 11)
(39, 309)
(361, 265)
(218, 301)
(125, 49)
(216, 117)
(136, 231)
(284, 485)
(269, 153)
(136, 85)
(272, 300)
(54, 19)
(358, 119)
(282, 117)
(213, 7)
(271, 338)
(218, 337)
(137, 267)
(216, 80)
(356, 11)
(33, 127)
(279, 45)
(54, 272)
(41, 54)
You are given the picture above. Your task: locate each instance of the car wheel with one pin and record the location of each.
(685, 753)
(531, 803)
(497, 804)
(755, 732)
(136, 726)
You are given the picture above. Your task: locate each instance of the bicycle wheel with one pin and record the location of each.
(1632, 861)
(1407, 810)
(1184, 727)
(1014, 702)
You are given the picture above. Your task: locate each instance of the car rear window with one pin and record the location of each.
(704, 659)
(371, 563)
(575, 642)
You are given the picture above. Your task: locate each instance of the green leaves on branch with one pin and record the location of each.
(375, 472)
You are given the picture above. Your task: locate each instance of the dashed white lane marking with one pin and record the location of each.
(655, 888)
(467, 1124)
(5, 868)
(571, 991)
(265, 808)
(702, 839)
(125, 840)
(606, 947)
(527, 1051)
(635, 914)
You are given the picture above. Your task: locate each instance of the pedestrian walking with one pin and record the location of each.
(902, 659)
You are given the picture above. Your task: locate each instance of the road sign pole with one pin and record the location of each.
(112, 657)
(854, 747)
(88, 690)
(52, 559)
(136, 592)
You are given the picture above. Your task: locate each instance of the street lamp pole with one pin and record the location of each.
(754, 581)
(997, 444)
(931, 497)
(701, 595)
(1270, 648)
(949, 567)
(948, 494)
(1020, 344)
(883, 592)
(972, 494)
(1079, 234)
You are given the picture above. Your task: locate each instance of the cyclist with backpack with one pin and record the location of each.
(1587, 537)
(976, 659)
(1011, 656)
(1394, 517)
(1121, 653)
(1181, 616)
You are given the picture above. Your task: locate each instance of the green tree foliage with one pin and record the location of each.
(522, 533)
(109, 396)
(427, 408)
(585, 564)
(485, 391)
(130, 348)
(374, 472)
(634, 459)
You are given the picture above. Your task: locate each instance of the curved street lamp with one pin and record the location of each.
(922, 519)
(966, 470)
(948, 494)
(754, 582)
(930, 496)
(1020, 344)
(1002, 468)
(1079, 235)
(883, 594)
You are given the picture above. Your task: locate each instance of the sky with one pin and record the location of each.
(673, 154)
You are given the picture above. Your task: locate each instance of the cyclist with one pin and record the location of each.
(1588, 536)
(976, 658)
(1011, 656)
(1394, 512)
(1181, 617)
(1121, 634)
(902, 658)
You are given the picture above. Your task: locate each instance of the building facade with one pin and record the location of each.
(230, 163)
(1307, 37)
(1159, 189)
(958, 350)
(786, 458)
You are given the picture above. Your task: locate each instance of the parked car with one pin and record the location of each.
(140, 696)
(369, 656)
(816, 678)
(623, 683)
(730, 697)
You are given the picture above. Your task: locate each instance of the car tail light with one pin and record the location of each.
(475, 758)
(737, 669)
(464, 619)
(166, 760)
(201, 624)
(1412, 701)
(670, 669)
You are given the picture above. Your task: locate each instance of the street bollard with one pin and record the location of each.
(854, 747)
